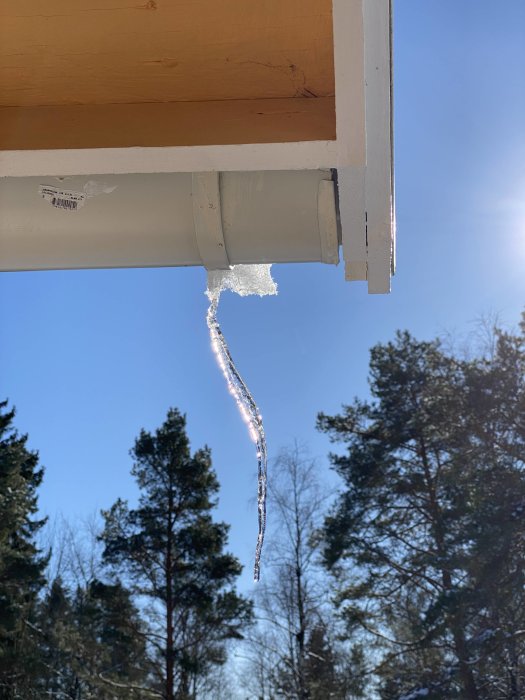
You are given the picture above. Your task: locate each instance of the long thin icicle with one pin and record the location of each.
(249, 412)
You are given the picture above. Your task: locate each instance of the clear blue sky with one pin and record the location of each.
(90, 357)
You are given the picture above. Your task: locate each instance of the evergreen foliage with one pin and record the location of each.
(426, 539)
(21, 563)
(424, 543)
(171, 553)
(90, 644)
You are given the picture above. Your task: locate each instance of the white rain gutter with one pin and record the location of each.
(168, 219)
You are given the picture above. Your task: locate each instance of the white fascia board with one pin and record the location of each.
(351, 132)
(303, 155)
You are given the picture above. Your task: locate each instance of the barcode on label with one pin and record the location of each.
(64, 203)
(67, 200)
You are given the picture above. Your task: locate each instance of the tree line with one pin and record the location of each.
(405, 582)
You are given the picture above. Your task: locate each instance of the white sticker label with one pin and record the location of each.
(62, 199)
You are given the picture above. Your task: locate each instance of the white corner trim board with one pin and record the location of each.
(380, 224)
(361, 153)
(363, 78)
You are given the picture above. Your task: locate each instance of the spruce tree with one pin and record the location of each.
(111, 658)
(21, 563)
(91, 645)
(57, 641)
(171, 553)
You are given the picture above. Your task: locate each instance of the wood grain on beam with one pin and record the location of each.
(62, 52)
(174, 124)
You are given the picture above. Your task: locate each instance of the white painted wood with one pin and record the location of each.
(326, 215)
(351, 183)
(378, 176)
(206, 201)
(349, 82)
(304, 155)
(362, 44)
(351, 132)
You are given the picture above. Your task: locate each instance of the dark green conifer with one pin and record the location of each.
(21, 563)
(426, 540)
(171, 553)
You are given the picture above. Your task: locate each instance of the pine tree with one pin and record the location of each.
(170, 551)
(426, 540)
(21, 564)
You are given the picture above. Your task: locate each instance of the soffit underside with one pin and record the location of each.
(112, 51)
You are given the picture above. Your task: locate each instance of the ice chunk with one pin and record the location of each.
(243, 280)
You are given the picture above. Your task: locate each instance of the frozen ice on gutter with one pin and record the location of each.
(243, 280)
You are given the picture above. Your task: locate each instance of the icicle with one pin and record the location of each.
(243, 279)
